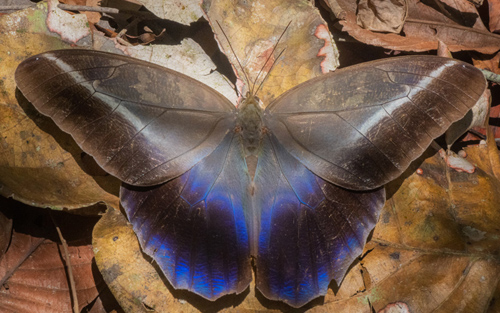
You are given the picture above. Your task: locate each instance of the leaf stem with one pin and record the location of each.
(106, 10)
(68, 267)
(493, 77)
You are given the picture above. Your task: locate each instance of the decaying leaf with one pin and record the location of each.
(33, 276)
(382, 16)
(456, 23)
(439, 231)
(92, 17)
(494, 10)
(132, 279)
(488, 62)
(253, 29)
(184, 12)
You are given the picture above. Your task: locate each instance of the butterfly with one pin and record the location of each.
(297, 186)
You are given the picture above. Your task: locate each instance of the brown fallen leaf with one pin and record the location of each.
(92, 17)
(439, 232)
(39, 164)
(33, 277)
(381, 15)
(456, 23)
(133, 280)
(488, 62)
(494, 11)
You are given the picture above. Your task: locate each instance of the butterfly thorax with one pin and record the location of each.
(250, 125)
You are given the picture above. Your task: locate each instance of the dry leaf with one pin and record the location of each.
(494, 10)
(488, 62)
(456, 23)
(33, 277)
(132, 279)
(184, 12)
(439, 232)
(253, 30)
(382, 15)
(435, 248)
(92, 17)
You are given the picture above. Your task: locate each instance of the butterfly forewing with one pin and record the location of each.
(360, 127)
(142, 123)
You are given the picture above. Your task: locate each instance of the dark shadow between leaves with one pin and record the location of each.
(466, 19)
(37, 222)
(199, 31)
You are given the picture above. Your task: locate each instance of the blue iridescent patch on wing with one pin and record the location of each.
(310, 230)
(194, 226)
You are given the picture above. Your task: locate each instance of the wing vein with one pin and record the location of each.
(162, 163)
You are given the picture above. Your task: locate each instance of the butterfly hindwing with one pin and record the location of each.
(142, 123)
(194, 226)
(360, 127)
(310, 230)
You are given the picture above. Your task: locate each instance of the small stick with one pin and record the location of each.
(493, 77)
(106, 10)
(15, 7)
(68, 267)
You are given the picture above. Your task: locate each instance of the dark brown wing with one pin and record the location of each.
(361, 127)
(143, 123)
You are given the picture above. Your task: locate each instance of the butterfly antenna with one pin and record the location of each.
(234, 53)
(268, 58)
(267, 75)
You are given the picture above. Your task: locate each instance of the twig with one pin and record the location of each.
(493, 77)
(106, 10)
(482, 137)
(68, 267)
(15, 7)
